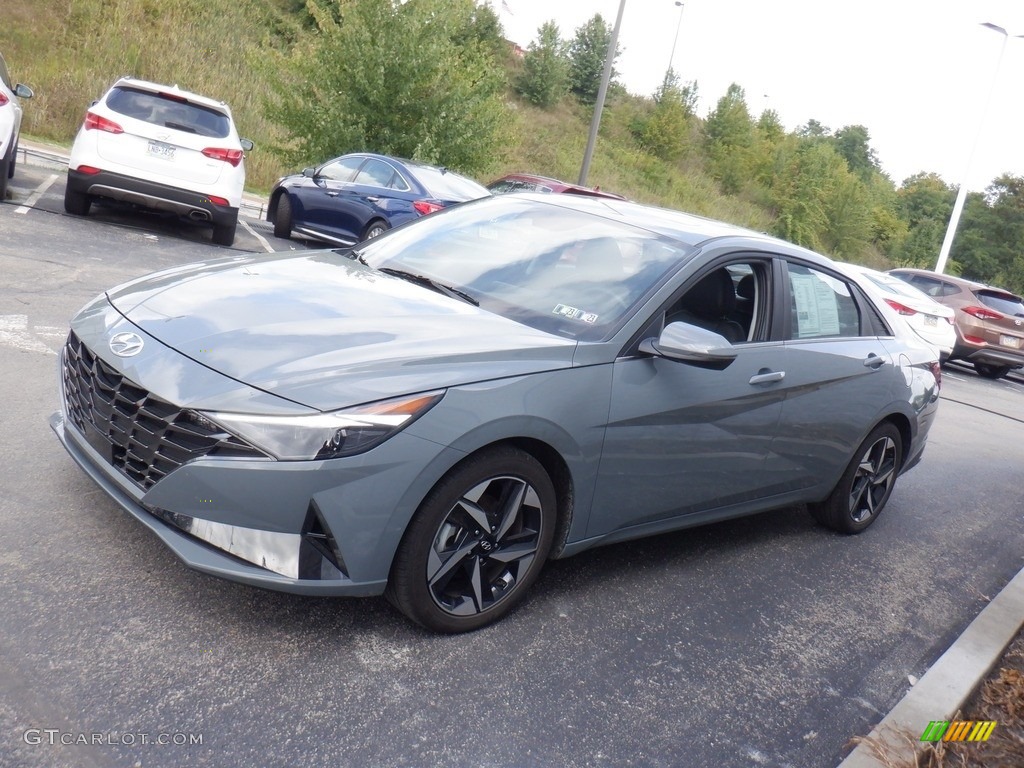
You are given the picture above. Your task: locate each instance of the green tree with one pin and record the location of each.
(730, 136)
(403, 78)
(545, 76)
(665, 131)
(853, 143)
(587, 53)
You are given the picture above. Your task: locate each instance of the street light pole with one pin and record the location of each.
(602, 91)
(672, 56)
(961, 194)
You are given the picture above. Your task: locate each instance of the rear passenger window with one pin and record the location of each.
(821, 306)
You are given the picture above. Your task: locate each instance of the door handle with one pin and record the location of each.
(332, 193)
(873, 361)
(764, 376)
(373, 198)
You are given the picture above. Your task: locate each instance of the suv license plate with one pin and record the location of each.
(161, 150)
(1009, 341)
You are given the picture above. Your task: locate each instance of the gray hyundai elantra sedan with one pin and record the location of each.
(435, 413)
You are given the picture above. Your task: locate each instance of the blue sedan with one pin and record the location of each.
(359, 196)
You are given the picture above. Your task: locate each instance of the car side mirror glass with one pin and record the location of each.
(309, 173)
(23, 91)
(247, 144)
(693, 345)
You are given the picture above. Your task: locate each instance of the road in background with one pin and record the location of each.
(761, 641)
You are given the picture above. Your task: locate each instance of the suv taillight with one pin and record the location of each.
(983, 313)
(902, 309)
(94, 122)
(423, 207)
(233, 156)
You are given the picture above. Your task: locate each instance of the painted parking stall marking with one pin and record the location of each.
(34, 197)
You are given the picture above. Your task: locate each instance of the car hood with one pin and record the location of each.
(322, 330)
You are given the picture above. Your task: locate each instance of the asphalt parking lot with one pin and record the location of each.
(763, 641)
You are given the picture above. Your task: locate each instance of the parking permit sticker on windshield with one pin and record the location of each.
(575, 314)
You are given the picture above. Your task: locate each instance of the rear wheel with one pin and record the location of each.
(224, 234)
(76, 203)
(375, 229)
(866, 485)
(991, 371)
(476, 543)
(283, 218)
(6, 172)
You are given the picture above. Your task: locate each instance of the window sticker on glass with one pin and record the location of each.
(575, 314)
(817, 310)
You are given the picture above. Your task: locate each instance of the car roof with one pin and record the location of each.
(963, 282)
(688, 228)
(172, 90)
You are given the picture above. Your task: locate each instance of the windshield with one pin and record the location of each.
(556, 269)
(896, 286)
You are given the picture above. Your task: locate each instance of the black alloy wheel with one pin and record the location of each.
(476, 544)
(865, 487)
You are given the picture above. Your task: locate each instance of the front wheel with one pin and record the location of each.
(476, 543)
(987, 371)
(283, 218)
(866, 485)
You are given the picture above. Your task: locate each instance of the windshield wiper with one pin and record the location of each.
(430, 282)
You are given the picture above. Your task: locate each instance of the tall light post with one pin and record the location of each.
(672, 56)
(961, 194)
(602, 91)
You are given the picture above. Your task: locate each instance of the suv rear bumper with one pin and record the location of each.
(998, 356)
(147, 194)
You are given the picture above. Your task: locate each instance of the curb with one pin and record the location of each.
(947, 684)
(56, 157)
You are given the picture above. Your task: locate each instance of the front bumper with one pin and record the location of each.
(362, 507)
(157, 197)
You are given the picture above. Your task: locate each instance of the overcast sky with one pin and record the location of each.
(917, 73)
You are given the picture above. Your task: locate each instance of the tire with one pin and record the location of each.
(76, 203)
(987, 371)
(224, 234)
(450, 573)
(283, 218)
(14, 161)
(865, 487)
(5, 165)
(375, 229)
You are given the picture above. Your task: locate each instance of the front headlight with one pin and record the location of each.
(327, 435)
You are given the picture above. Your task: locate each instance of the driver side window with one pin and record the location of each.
(730, 300)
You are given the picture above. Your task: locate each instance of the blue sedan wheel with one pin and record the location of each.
(476, 544)
(866, 485)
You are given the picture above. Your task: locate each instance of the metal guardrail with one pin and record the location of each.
(252, 207)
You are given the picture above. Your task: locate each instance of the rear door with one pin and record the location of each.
(377, 192)
(839, 375)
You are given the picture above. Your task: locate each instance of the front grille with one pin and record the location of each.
(148, 437)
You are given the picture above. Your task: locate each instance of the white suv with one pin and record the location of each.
(160, 148)
(10, 123)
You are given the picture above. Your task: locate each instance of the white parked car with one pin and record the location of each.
(10, 123)
(160, 148)
(932, 321)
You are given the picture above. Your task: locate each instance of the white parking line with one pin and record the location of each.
(257, 235)
(14, 333)
(34, 197)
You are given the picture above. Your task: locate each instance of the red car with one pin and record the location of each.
(525, 182)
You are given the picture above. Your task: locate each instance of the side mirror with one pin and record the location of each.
(23, 91)
(247, 144)
(689, 344)
(309, 173)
